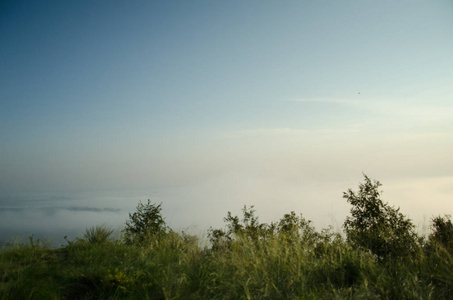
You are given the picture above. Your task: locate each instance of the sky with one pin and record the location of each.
(207, 106)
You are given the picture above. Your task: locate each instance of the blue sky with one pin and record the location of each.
(266, 99)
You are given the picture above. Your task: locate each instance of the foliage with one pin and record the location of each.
(126, 281)
(294, 228)
(249, 227)
(97, 234)
(144, 224)
(439, 256)
(377, 226)
(288, 259)
(290, 228)
(442, 234)
(309, 265)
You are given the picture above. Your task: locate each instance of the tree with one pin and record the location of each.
(442, 234)
(249, 227)
(296, 228)
(377, 226)
(291, 229)
(146, 222)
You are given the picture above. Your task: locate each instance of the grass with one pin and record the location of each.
(174, 266)
(98, 234)
(246, 260)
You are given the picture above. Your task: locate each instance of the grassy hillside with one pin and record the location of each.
(247, 259)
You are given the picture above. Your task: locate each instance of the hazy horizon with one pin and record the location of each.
(207, 106)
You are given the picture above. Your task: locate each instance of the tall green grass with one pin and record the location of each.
(175, 266)
(287, 259)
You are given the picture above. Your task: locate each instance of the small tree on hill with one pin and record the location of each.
(248, 227)
(442, 234)
(146, 222)
(377, 226)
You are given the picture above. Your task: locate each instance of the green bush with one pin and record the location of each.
(377, 226)
(146, 223)
(439, 256)
(442, 234)
(249, 227)
(293, 228)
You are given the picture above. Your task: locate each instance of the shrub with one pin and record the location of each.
(290, 229)
(439, 255)
(146, 222)
(249, 227)
(442, 234)
(376, 226)
(97, 234)
(296, 228)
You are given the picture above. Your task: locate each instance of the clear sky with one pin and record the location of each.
(281, 104)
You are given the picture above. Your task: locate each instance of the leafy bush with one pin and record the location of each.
(439, 256)
(248, 227)
(146, 222)
(295, 228)
(377, 226)
(442, 234)
(291, 228)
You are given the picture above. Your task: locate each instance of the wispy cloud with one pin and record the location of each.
(416, 109)
(53, 210)
(335, 100)
(289, 132)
